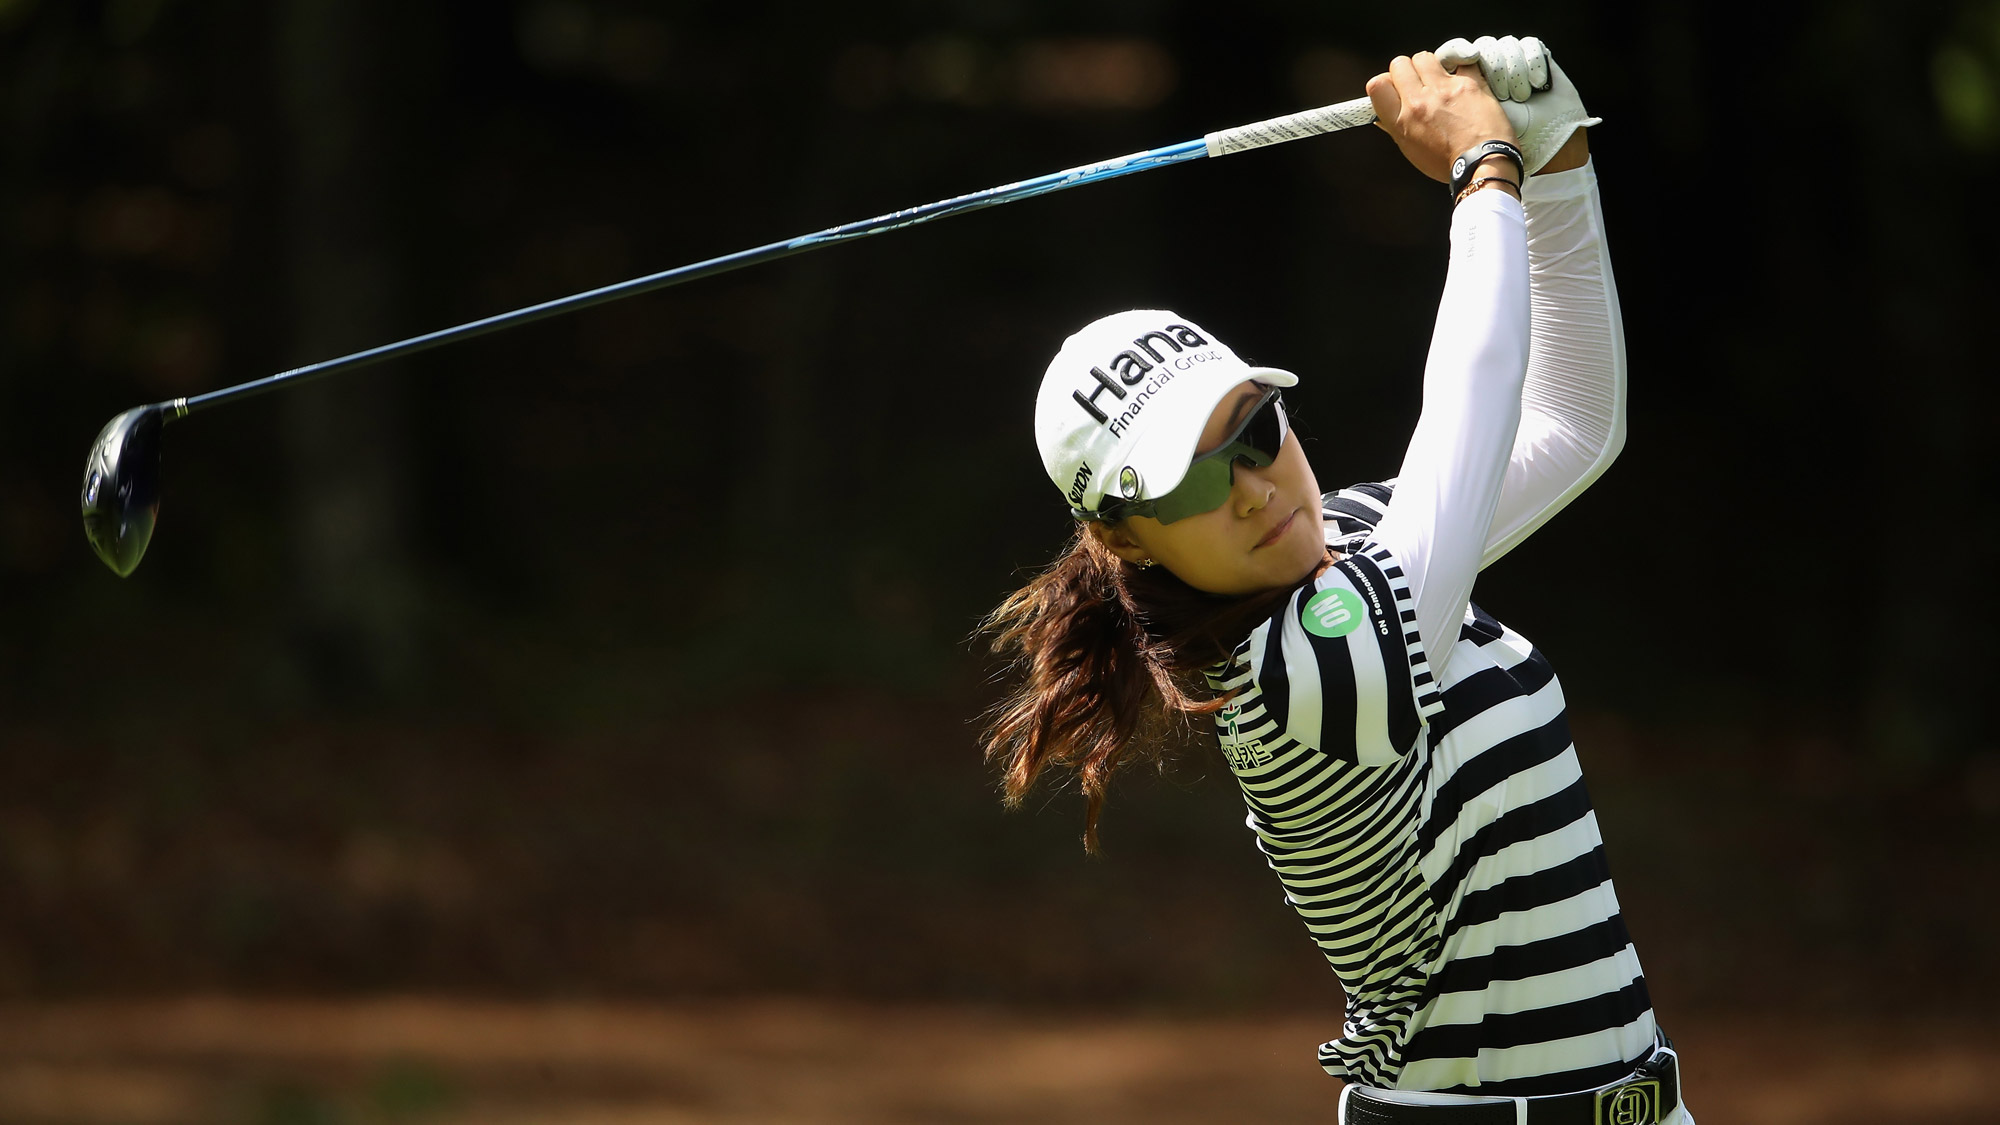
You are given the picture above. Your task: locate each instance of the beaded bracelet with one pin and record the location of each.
(1482, 182)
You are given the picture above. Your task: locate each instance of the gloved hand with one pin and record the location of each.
(1538, 98)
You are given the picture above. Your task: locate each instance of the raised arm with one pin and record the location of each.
(1437, 524)
(1573, 401)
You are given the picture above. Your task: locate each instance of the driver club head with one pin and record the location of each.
(121, 487)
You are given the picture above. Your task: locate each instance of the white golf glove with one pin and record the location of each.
(1536, 95)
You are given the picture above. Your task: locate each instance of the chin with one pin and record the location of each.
(1308, 560)
(1294, 560)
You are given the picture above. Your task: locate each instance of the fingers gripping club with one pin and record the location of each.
(1540, 103)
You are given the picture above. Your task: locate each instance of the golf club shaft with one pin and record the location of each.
(1346, 115)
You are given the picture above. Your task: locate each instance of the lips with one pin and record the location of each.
(1278, 531)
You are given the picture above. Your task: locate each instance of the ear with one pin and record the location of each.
(1114, 536)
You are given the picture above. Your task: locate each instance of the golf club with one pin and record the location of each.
(121, 474)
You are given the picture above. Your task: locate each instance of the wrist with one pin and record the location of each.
(1488, 182)
(1574, 153)
(1474, 163)
(1498, 165)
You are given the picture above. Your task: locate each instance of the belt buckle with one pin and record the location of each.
(1636, 1102)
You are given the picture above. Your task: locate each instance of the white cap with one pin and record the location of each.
(1123, 404)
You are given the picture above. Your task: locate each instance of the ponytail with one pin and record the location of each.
(1107, 658)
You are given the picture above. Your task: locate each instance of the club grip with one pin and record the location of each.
(1311, 123)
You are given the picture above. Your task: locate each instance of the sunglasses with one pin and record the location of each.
(1211, 476)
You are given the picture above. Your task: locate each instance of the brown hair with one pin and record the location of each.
(1107, 659)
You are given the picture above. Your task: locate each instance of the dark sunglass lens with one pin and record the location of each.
(1204, 489)
(1265, 430)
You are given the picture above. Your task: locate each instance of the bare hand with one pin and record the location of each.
(1434, 114)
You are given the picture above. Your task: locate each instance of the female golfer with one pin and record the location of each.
(1405, 757)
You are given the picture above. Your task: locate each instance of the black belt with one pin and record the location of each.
(1647, 1097)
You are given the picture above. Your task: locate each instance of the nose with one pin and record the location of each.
(1249, 488)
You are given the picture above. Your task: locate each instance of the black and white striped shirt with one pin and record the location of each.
(1434, 834)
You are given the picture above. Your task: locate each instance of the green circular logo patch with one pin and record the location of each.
(1332, 613)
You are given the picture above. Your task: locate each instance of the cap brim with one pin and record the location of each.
(1162, 456)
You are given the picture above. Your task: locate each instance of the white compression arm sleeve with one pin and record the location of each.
(1573, 403)
(1438, 521)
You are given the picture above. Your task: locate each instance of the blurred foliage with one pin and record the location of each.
(294, 1103)
(1965, 72)
(650, 671)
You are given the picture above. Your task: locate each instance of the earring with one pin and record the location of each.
(1146, 564)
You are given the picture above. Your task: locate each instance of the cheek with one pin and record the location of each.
(1309, 539)
(1293, 459)
(1191, 548)
(1183, 541)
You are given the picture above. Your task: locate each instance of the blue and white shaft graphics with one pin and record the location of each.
(1312, 122)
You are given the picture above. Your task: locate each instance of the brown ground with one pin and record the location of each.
(220, 1060)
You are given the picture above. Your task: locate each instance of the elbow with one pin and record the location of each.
(1614, 443)
(1607, 452)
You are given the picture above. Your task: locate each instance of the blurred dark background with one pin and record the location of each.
(626, 654)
